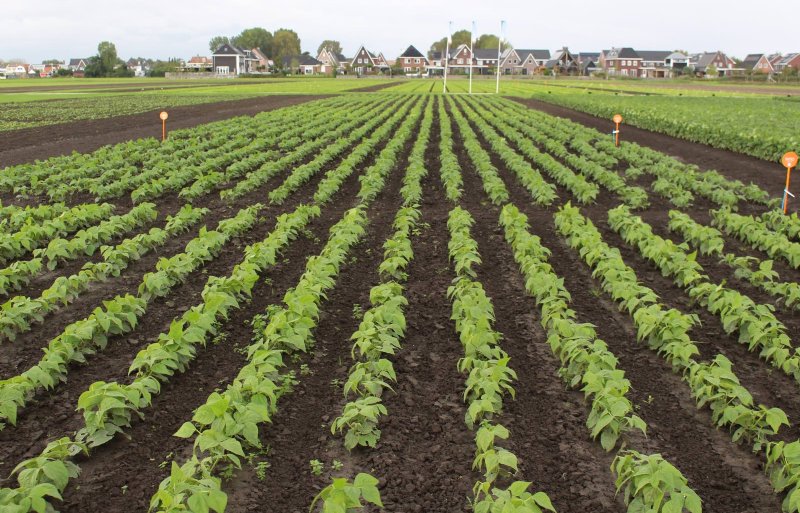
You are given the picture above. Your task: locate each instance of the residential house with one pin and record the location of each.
(523, 61)
(563, 62)
(588, 62)
(368, 63)
(412, 61)
(263, 63)
(460, 59)
(302, 64)
(78, 66)
(677, 62)
(661, 63)
(485, 61)
(623, 62)
(435, 63)
(790, 60)
(139, 68)
(17, 70)
(199, 63)
(757, 63)
(774, 59)
(232, 61)
(332, 61)
(717, 61)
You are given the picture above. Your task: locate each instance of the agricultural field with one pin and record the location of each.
(764, 126)
(31, 106)
(399, 301)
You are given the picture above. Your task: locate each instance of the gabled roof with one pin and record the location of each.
(751, 60)
(677, 55)
(622, 53)
(485, 54)
(411, 52)
(229, 49)
(301, 60)
(653, 55)
(77, 62)
(706, 58)
(369, 54)
(539, 55)
(789, 57)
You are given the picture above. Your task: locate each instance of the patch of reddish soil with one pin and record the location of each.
(30, 144)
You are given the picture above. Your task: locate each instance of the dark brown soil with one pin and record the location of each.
(735, 165)
(30, 144)
(372, 89)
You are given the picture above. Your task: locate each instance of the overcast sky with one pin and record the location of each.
(34, 30)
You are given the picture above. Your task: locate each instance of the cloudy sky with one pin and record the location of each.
(42, 29)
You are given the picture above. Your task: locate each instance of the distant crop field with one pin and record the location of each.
(41, 108)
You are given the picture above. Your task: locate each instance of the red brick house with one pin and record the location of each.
(412, 61)
(758, 63)
(460, 59)
(367, 63)
(790, 60)
(623, 62)
(331, 61)
(718, 61)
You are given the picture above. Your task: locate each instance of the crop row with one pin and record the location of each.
(650, 482)
(17, 314)
(757, 326)
(490, 379)
(381, 330)
(709, 241)
(712, 384)
(32, 236)
(119, 315)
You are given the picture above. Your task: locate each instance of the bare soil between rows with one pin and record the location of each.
(31, 144)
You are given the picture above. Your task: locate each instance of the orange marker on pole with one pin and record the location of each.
(789, 160)
(163, 117)
(617, 119)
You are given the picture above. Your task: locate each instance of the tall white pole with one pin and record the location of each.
(499, 46)
(446, 56)
(471, 54)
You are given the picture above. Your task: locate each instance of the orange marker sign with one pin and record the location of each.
(163, 117)
(789, 160)
(617, 119)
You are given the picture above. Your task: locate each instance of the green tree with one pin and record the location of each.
(107, 63)
(489, 41)
(285, 43)
(332, 45)
(255, 37)
(108, 56)
(218, 41)
(160, 68)
(459, 37)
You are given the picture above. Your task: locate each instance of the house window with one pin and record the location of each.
(461, 61)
